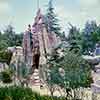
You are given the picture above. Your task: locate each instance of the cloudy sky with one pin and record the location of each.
(19, 13)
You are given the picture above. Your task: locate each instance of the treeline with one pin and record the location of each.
(9, 38)
(79, 40)
(84, 40)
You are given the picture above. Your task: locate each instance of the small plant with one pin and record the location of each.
(6, 76)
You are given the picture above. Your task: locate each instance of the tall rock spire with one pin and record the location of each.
(42, 43)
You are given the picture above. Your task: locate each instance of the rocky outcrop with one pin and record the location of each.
(37, 43)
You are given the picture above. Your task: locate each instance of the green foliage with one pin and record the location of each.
(16, 93)
(96, 35)
(85, 40)
(70, 71)
(18, 39)
(9, 38)
(3, 44)
(51, 20)
(5, 56)
(20, 93)
(74, 39)
(87, 44)
(90, 36)
(6, 76)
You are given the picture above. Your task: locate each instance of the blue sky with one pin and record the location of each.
(20, 13)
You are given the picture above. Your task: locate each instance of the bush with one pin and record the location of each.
(6, 76)
(16, 93)
(21, 93)
(5, 56)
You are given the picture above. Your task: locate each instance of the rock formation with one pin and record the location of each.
(37, 42)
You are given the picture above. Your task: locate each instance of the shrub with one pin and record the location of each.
(22, 93)
(5, 56)
(16, 93)
(6, 76)
(69, 71)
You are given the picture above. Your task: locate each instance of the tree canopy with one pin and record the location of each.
(74, 39)
(9, 38)
(51, 20)
(68, 70)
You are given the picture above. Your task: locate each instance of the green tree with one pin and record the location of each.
(74, 39)
(51, 20)
(9, 35)
(96, 35)
(10, 38)
(3, 44)
(5, 56)
(6, 76)
(89, 36)
(18, 39)
(69, 71)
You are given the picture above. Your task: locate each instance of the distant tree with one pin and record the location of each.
(9, 35)
(96, 35)
(18, 39)
(68, 71)
(51, 20)
(10, 38)
(3, 44)
(74, 39)
(5, 56)
(89, 36)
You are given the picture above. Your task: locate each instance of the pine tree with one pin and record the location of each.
(11, 37)
(51, 20)
(74, 39)
(89, 36)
